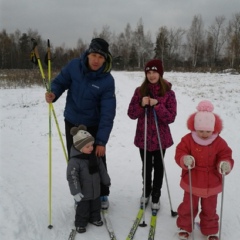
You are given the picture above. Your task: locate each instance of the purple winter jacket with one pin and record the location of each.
(166, 111)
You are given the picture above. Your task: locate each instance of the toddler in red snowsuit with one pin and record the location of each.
(206, 156)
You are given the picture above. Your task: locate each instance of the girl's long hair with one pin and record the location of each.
(164, 87)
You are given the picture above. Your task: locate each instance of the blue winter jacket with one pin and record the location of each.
(90, 97)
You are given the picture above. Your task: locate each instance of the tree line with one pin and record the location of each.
(195, 49)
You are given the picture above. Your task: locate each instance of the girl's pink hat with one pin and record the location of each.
(204, 119)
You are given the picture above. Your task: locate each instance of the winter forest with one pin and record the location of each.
(198, 48)
(200, 61)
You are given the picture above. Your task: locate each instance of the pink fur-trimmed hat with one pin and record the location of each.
(204, 119)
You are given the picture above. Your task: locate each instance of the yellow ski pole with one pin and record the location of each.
(35, 51)
(54, 114)
(36, 60)
(50, 138)
(50, 130)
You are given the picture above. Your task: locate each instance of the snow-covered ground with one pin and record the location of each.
(24, 199)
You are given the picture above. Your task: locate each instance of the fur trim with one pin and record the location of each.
(218, 124)
(190, 122)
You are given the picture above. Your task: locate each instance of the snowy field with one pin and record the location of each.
(24, 171)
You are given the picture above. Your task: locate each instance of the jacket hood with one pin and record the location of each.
(74, 152)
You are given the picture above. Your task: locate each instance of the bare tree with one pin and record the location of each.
(121, 47)
(126, 45)
(142, 44)
(195, 38)
(217, 47)
(174, 44)
(81, 46)
(133, 57)
(5, 44)
(233, 41)
(169, 45)
(216, 38)
(162, 43)
(138, 37)
(105, 33)
(119, 51)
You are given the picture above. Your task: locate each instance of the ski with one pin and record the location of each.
(72, 234)
(135, 224)
(108, 224)
(153, 223)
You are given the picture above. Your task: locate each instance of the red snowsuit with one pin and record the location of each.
(206, 181)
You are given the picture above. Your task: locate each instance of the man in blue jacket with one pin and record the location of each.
(90, 97)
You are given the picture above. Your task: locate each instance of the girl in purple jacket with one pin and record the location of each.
(155, 94)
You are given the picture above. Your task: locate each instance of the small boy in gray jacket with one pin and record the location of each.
(85, 172)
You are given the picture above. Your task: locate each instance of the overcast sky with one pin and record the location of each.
(65, 21)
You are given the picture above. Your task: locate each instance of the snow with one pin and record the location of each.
(24, 200)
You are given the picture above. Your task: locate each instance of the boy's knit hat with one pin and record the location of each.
(100, 46)
(81, 137)
(154, 65)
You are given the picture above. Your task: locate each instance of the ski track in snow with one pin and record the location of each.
(24, 179)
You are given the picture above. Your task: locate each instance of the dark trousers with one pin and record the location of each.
(153, 162)
(88, 211)
(69, 141)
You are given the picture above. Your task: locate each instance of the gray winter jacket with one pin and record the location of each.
(81, 181)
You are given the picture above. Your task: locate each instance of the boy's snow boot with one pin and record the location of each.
(183, 235)
(104, 202)
(212, 237)
(97, 223)
(80, 229)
